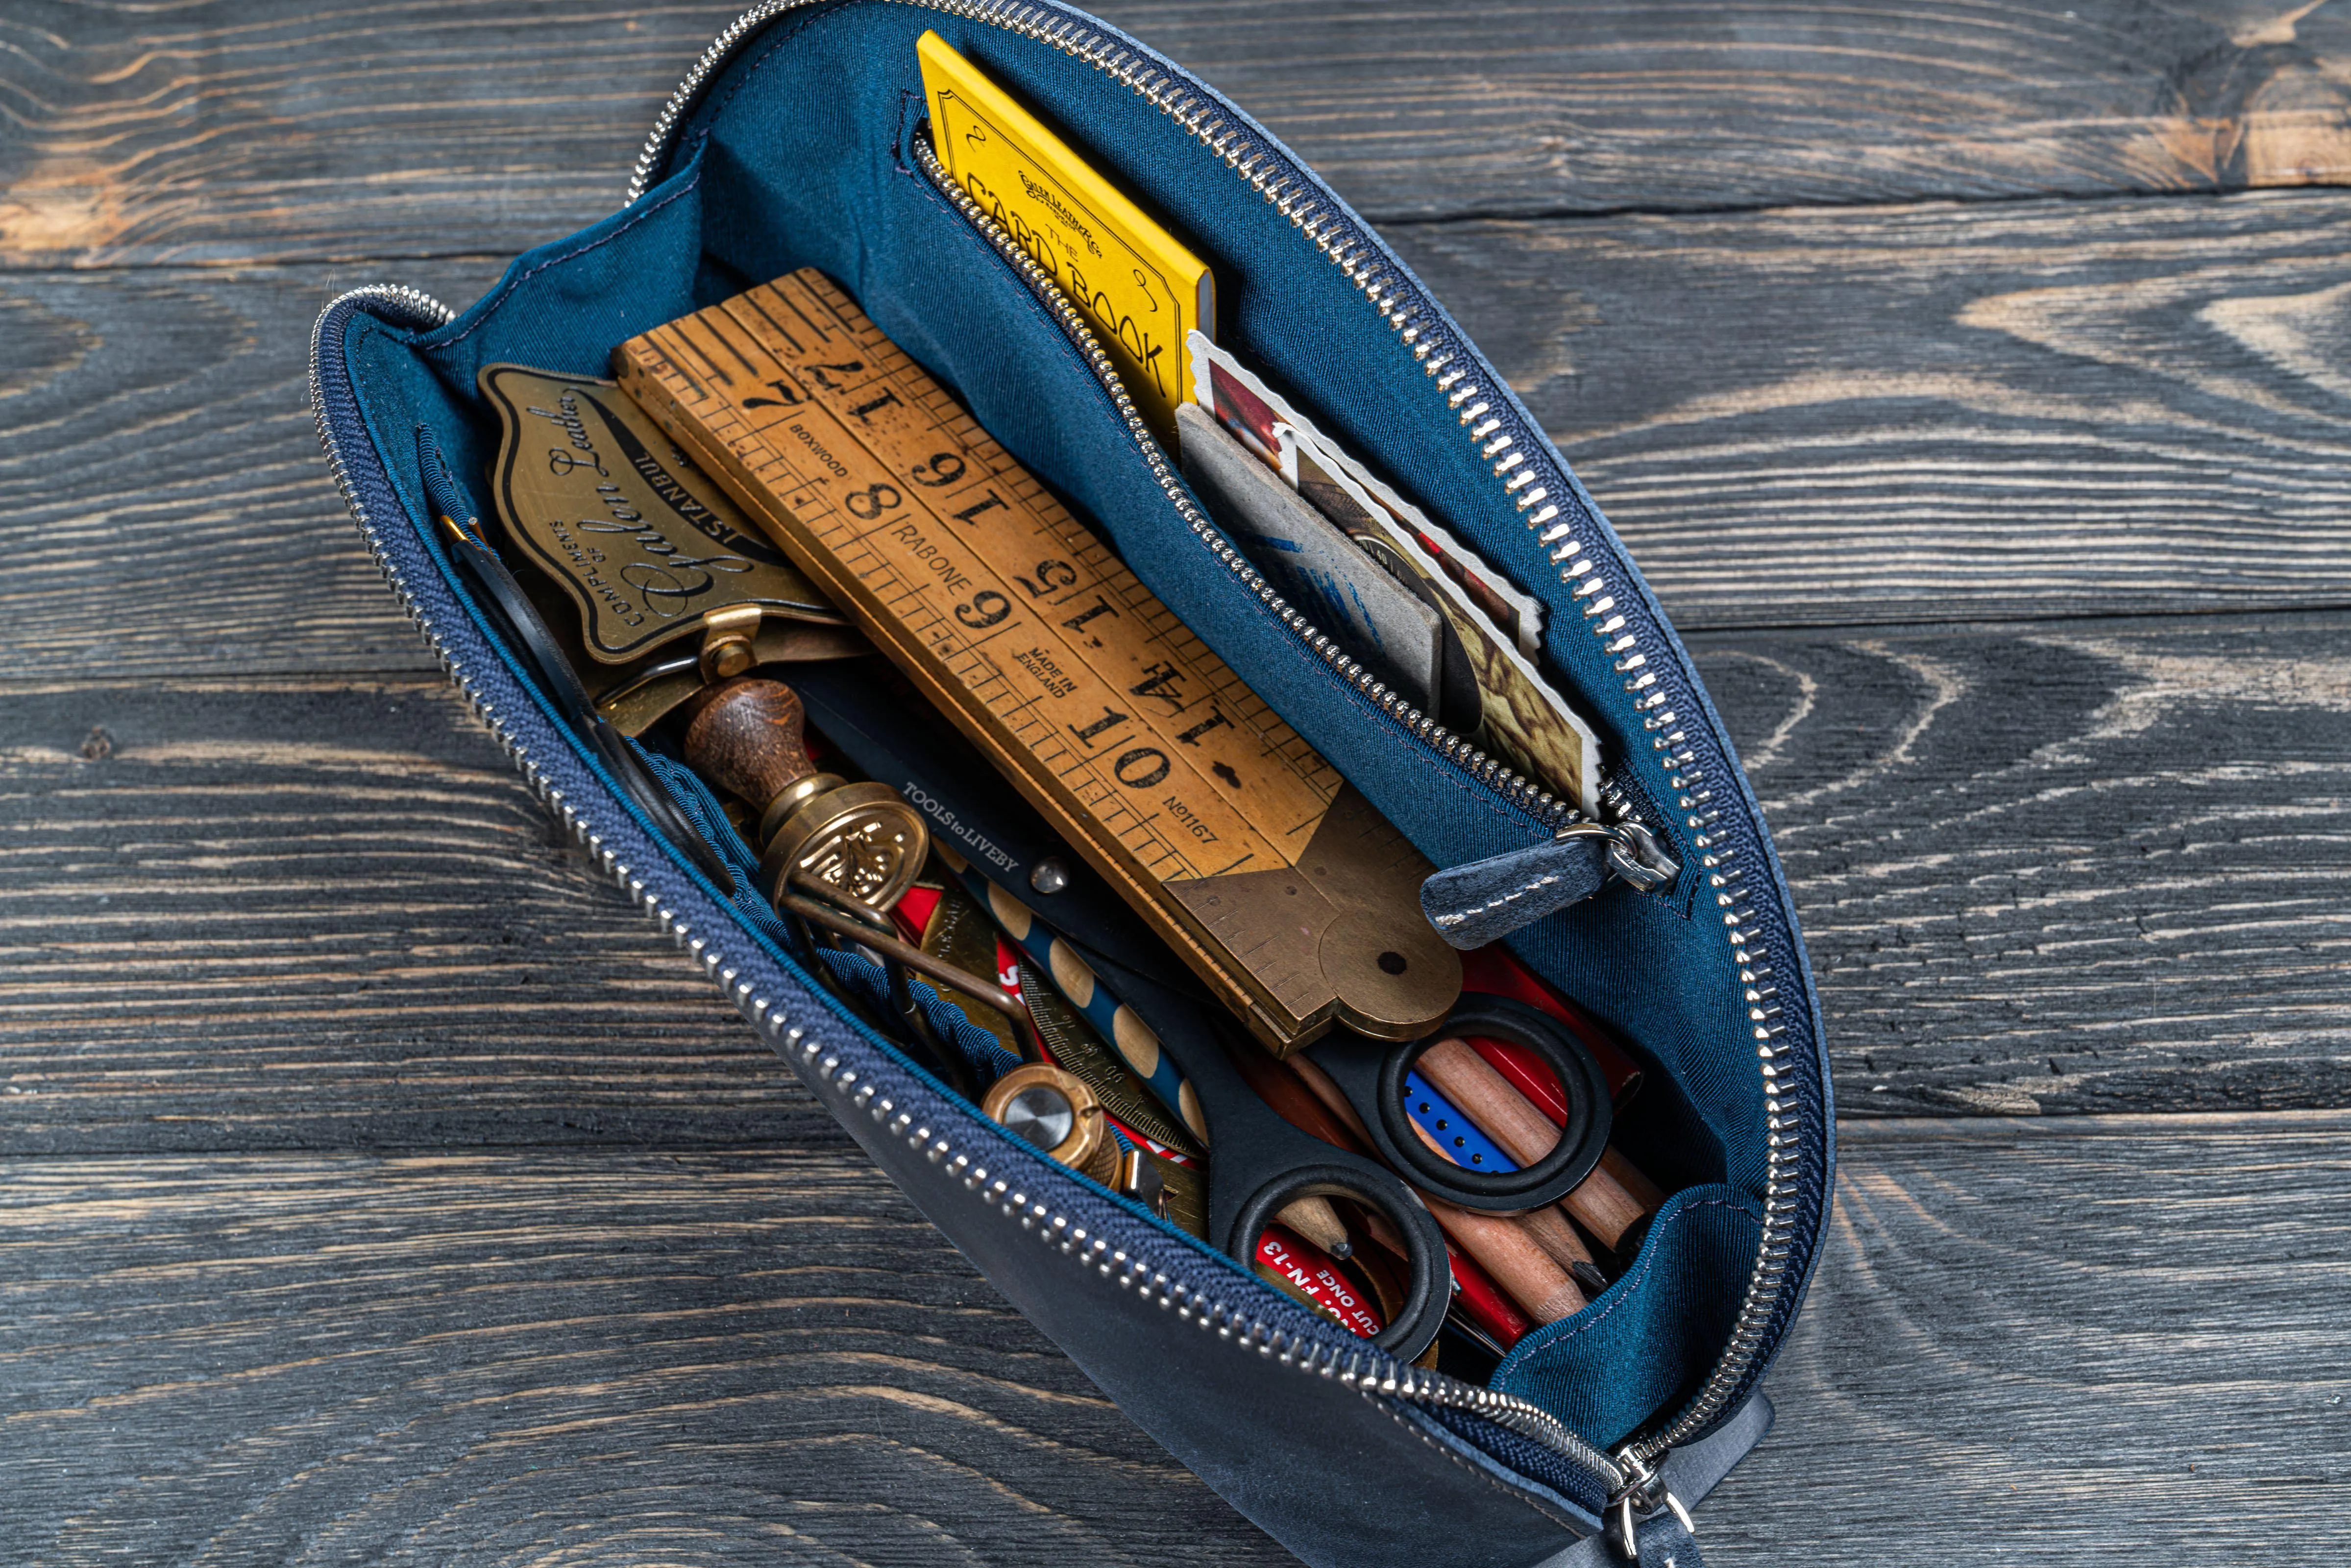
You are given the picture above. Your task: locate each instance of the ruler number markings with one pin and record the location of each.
(954, 519)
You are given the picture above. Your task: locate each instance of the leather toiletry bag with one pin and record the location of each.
(798, 142)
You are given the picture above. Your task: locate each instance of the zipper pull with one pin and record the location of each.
(1486, 900)
(1646, 1522)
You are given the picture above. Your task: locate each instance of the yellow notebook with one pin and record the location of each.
(1141, 290)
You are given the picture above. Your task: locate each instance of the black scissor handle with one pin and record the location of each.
(530, 639)
(1428, 1290)
(1258, 1164)
(1372, 1075)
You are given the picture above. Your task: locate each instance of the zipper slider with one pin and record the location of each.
(1637, 859)
(1648, 1525)
(1486, 900)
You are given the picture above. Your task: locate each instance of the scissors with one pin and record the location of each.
(1375, 1076)
(1259, 1162)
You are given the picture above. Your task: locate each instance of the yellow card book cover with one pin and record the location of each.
(1140, 289)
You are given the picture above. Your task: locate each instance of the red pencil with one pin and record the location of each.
(1494, 971)
(1482, 1301)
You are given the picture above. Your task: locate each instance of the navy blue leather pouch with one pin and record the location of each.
(792, 145)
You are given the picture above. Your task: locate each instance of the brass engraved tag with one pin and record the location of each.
(641, 541)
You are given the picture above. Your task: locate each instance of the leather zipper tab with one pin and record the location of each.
(1486, 900)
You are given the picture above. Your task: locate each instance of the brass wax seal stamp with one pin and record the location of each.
(854, 844)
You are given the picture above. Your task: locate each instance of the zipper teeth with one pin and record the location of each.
(1335, 236)
(1407, 1382)
(1358, 1365)
(428, 312)
(1355, 1364)
(712, 57)
(1192, 113)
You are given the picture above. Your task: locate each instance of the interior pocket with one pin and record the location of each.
(1661, 1325)
(1055, 416)
(1652, 1333)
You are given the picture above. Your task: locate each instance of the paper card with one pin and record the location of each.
(1515, 612)
(1136, 283)
(1527, 722)
(1310, 562)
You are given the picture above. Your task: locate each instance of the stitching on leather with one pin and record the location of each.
(507, 290)
(1572, 1526)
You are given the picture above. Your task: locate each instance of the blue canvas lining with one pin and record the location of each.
(797, 159)
(1599, 1371)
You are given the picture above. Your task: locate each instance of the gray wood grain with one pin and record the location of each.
(1418, 110)
(2041, 1343)
(1940, 413)
(277, 909)
(269, 129)
(2057, 868)
(237, 130)
(2028, 1343)
(2100, 866)
(299, 914)
(164, 504)
(600, 1358)
(1822, 417)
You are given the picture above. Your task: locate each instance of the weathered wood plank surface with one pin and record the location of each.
(1940, 412)
(606, 1358)
(2067, 869)
(227, 131)
(767, 1356)
(310, 915)
(2039, 1343)
(1825, 417)
(373, 1185)
(268, 129)
(1422, 111)
(164, 504)
(2102, 866)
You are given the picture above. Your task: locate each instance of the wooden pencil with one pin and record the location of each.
(1609, 1202)
(1512, 1253)
(1506, 1251)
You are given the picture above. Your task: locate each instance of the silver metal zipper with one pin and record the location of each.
(1630, 839)
(1471, 403)
(1360, 1366)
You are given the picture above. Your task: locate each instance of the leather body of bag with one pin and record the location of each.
(791, 145)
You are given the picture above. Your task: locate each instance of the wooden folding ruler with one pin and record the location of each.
(1280, 887)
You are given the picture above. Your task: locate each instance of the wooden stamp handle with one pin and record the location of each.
(745, 736)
